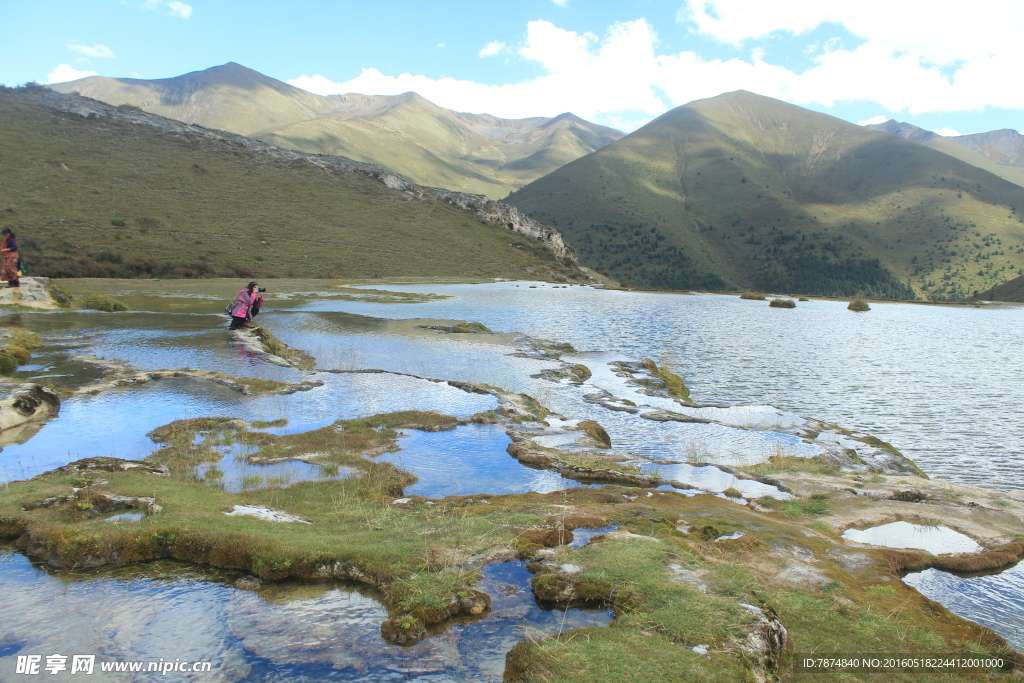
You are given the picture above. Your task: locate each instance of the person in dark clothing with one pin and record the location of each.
(9, 249)
(245, 306)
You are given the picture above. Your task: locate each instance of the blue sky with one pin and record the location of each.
(616, 63)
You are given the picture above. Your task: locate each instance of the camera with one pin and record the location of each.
(262, 289)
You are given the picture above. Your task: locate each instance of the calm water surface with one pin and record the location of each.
(944, 384)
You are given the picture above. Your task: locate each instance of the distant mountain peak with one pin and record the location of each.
(907, 131)
(405, 132)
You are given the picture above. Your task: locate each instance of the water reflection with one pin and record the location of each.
(467, 460)
(286, 632)
(934, 539)
(112, 424)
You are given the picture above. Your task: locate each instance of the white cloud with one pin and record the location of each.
(873, 120)
(904, 63)
(65, 72)
(910, 25)
(585, 75)
(179, 9)
(92, 50)
(492, 48)
(948, 132)
(173, 7)
(561, 3)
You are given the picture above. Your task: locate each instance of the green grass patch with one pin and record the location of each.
(858, 305)
(59, 294)
(672, 382)
(804, 507)
(383, 296)
(265, 424)
(632, 575)
(189, 443)
(409, 554)
(659, 619)
(260, 385)
(624, 655)
(882, 621)
(15, 343)
(791, 463)
(101, 302)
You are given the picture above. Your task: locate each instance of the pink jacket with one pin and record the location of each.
(245, 301)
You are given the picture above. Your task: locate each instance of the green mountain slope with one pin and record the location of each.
(998, 152)
(743, 191)
(406, 133)
(1008, 291)
(97, 191)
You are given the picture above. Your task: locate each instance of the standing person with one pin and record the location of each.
(241, 308)
(9, 249)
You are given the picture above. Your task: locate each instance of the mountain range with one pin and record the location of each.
(733, 192)
(405, 133)
(742, 191)
(999, 151)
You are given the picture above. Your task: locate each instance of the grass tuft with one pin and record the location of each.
(859, 305)
(101, 302)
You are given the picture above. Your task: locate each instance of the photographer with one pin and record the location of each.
(248, 304)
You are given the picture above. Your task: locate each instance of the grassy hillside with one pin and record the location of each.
(403, 139)
(1008, 291)
(98, 196)
(742, 191)
(405, 133)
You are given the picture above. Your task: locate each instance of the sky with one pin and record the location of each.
(954, 69)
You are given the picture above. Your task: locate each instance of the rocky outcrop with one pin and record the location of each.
(509, 216)
(997, 557)
(761, 642)
(533, 456)
(34, 292)
(107, 464)
(407, 629)
(263, 344)
(497, 213)
(27, 403)
(121, 375)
